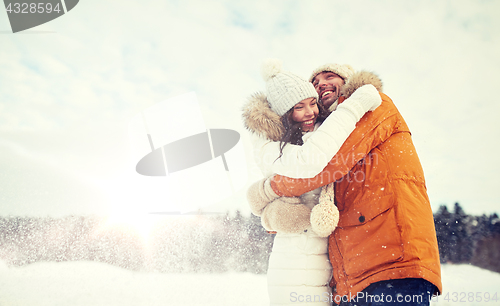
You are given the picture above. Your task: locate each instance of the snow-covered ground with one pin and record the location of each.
(94, 284)
(468, 285)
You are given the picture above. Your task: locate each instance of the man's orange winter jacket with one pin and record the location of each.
(386, 228)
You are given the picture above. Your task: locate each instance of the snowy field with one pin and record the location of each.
(95, 284)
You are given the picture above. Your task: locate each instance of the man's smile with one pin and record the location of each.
(327, 92)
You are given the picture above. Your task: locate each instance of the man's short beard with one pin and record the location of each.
(331, 100)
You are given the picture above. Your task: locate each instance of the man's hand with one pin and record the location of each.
(259, 195)
(286, 215)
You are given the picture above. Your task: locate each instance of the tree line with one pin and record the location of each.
(463, 238)
(208, 243)
(200, 243)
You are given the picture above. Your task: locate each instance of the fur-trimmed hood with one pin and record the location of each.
(261, 120)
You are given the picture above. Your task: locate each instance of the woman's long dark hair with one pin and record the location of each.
(293, 130)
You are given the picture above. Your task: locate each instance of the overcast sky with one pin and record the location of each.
(69, 88)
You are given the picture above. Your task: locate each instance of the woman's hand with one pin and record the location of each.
(286, 215)
(364, 99)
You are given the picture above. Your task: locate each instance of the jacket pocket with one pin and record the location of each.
(368, 236)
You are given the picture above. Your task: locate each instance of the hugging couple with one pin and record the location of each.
(344, 192)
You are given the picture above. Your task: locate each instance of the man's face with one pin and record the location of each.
(327, 85)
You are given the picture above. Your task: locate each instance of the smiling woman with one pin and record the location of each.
(305, 112)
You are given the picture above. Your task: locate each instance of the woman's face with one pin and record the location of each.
(306, 112)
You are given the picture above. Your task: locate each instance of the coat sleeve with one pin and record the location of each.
(310, 159)
(373, 129)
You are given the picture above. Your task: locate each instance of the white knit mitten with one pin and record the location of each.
(286, 215)
(325, 215)
(364, 99)
(259, 195)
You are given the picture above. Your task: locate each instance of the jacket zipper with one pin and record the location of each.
(341, 263)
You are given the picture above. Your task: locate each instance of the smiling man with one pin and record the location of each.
(385, 244)
(328, 80)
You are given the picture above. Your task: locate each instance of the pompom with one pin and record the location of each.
(324, 219)
(271, 67)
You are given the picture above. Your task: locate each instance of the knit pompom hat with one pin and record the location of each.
(284, 89)
(343, 71)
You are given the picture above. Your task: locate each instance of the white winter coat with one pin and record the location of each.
(299, 268)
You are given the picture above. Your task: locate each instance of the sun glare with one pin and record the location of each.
(139, 223)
